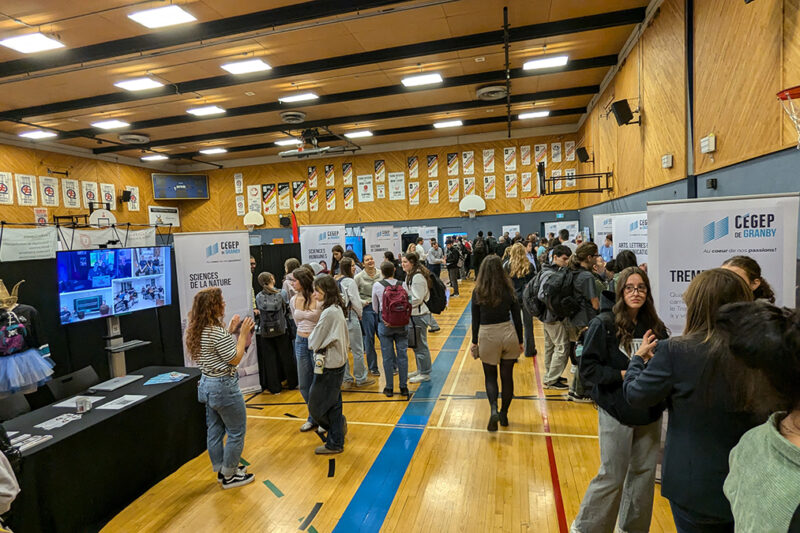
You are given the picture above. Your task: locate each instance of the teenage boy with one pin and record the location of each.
(556, 336)
(453, 270)
(607, 250)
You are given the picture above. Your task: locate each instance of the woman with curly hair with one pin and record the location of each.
(217, 351)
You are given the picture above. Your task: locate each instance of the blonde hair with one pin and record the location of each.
(520, 266)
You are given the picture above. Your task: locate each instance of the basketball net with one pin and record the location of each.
(527, 203)
(787, 98)
(471, 213)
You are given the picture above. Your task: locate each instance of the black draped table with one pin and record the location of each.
(94, 467)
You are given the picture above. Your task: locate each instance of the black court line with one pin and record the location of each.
(251, 397)
(290, 415)
(310, 517)
(331, 467)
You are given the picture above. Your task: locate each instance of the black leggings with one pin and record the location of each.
(506, 378)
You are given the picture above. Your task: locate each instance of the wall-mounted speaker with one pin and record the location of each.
(125, 196)
(583, 155)
(622, 112)
(285, 222)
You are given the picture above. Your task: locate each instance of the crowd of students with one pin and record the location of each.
(729, 383)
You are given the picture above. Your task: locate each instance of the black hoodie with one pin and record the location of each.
(602, 362)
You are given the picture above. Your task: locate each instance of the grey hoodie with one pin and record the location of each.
(330, 335)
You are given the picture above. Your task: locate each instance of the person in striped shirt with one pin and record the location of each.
(217, 351)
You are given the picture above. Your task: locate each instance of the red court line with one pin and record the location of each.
(551, 455)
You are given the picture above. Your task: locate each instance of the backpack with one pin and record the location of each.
(437, 301)
(491, 243)
(395, 305)
(272, 314)
(480, 246)
(530, 298)
(559, 293)
(607, 318)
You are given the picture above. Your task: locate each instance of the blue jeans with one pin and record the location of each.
(422, 353)
(305, 368)
(688, 522)
(394, 349)
(325, 405)
(357, 347)
(225, 413)
(369, 322)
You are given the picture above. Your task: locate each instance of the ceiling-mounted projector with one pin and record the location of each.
(303, 153)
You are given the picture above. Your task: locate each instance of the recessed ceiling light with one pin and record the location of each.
(139, 84)
(246, 66)
(298, 98)
(156, 157)
(161, 17)
(288, 142)
(422, 79)
(249, 93)
(534, 114)
(545, 62)
(31, 43)
(212, 151)
(205, 110)
(38, 134)
(448, 124)
(110, 124)
(358, 134)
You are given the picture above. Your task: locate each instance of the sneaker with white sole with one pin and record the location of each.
(307, 426)
(419, 378)
(574, 397)
(237, 480)
(413, 374)
(558, 385)
(241, 469)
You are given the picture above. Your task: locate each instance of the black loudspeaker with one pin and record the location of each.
(622, 112)
(583, 155)
(125, 196)
(285, 222)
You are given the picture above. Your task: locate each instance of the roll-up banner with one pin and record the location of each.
(379, 239)
(630, 233)
(218, 259)
(573, 226)
(602, 227)
(690, 236)
(316, 243)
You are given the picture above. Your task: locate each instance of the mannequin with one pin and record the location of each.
(24, 354)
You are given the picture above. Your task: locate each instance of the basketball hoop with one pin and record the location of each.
(471, 213)
(527, 203)
(787, 98)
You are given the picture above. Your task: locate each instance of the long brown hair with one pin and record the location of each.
(208, 308)
(753, 270)
(346, 267)
(520, 266)
(492, 283)
(647, 313)
(329, 287)
(416, 267)
(581, 254)
(707, 292)
(306, 280)
(264, 279)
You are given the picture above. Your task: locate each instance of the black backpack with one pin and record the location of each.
(559, 293)
(480, 246)
(272, 314)
(607, 317)
(491, 243)
(530, 297)
(437, 301)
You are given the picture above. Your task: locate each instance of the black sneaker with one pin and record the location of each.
(388, 392)
(503, 419)
(493, 422)
(562, 379)
(375, 373)
(241, 469)
(237, 480)
(404, 392)
(558, 385)
(574, 397)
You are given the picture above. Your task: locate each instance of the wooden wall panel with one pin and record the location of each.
(630, 138)
(791, 63)
(737, 73)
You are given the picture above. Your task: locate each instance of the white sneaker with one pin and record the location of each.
(419, 378)
(414, 374)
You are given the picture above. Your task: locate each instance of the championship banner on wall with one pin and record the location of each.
(413, 193)
(511, 185)
(218, 259)
(313, 200)
(108, 195)
(379, 239)
(555, 148)
(40, 216)
(510, 158)
(570, 182)
(569, 150)
(316, 243)
(240, 207)
(433, 191)
(452, 164)
(469, 186)
(330, 199)
(133, 203)
(540, 153)
(630, 233)
(380, 190)
(348, 197)
(299, 196)
(89, 191)
(24, 244)
(557, 184)
(573, 226)
(527, 181)
(269, 198)
(433, 166)
(413, 167)
(714, 230)
(489, 188)
(284, 197)
(365, 193)
(488, 160)
(6, 188)
(452, 189)
(397, 186)
(380, 170)
(347, 173)
(468, 162)
(48, 190)
(330, 178)
(70, 190)
(26, 190)
(312, 177)
(238, 183)
(525, 154)
(255, 200)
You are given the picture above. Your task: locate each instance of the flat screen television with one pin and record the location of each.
(112, 281)
(180, 186)
(356, 244)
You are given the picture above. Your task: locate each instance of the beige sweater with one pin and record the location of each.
(330, 335)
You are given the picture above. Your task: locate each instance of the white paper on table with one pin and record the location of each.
(72, 401)
(59, 421)
(122, 402)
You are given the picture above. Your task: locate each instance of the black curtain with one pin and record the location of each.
(270, 258)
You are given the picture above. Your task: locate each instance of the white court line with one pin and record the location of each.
(452, 388)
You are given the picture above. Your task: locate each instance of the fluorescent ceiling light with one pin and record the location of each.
(247, 66)
(298, 98)
(534, 114)
(38, 134)
(110, 124)
(545, 62)
(212, 151)
(31, 43)
(448, 124)
(205, 110)
(422, 79)
(358, 134)
(139, 84)
(288, 142)
(156, 157)
(161, 17)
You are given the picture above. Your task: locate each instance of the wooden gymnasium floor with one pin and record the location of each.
(418, 466)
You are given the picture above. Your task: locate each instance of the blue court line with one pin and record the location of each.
(367, 510)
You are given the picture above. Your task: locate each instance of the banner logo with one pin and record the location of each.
(212, 250)
(715, 230)
(26, 190)
(3, 188)
(72, 194)
(49, 191)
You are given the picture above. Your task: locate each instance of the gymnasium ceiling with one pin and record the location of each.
(352, 54)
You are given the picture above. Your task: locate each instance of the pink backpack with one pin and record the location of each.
(395, 305)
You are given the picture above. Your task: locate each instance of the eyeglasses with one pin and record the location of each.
(630, 289)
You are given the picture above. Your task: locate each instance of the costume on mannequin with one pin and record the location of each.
(24, 354)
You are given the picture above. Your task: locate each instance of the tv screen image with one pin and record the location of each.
(180, 186)
(100, 283)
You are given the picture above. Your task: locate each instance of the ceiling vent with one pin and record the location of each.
(134, 138)
(491, 92)
(293, 117)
